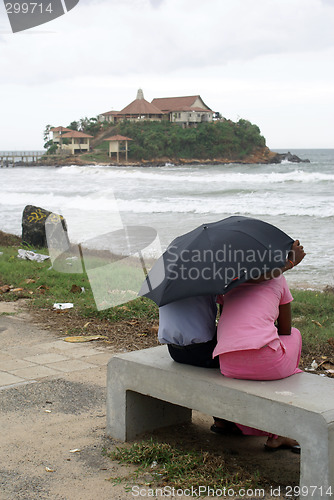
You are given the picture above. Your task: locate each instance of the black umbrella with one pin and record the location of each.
(214, 258)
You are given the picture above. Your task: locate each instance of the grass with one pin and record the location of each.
(167, 464)
(312, 311)
(46, 286)
(313, 315)
(100, 154)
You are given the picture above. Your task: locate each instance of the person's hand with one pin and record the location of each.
(296, 253)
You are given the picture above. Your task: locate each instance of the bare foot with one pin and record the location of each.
(280, 442)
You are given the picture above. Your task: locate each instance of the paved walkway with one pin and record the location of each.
(38, 357)
(52, 402)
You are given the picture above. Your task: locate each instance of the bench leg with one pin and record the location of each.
(317, 469)
(130, 413)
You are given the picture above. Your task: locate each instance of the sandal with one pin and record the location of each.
(286, 444)
(272, 449)
(296, 449)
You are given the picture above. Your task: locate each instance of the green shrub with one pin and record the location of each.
(222, 139)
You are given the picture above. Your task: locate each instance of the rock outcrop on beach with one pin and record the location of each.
(34, 220)
(262, 155)
(280, 157)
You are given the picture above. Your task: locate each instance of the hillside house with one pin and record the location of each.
(118, 144)
(110, 116)
(187, 110)
(139, 109)
(75, 142)
(57, 133)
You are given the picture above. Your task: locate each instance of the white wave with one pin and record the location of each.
(237, 205)
(250, 203)
(55, 202)
(287, 162)
(198, 176)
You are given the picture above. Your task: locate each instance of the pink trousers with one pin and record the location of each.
(264, 364)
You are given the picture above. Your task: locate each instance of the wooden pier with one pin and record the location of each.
(9, 159)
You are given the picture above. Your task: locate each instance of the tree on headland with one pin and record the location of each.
(74, 125)
(89, 125)
(49, 145)
(47, 132)
(218, 139)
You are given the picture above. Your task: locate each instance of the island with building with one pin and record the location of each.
(176, 130)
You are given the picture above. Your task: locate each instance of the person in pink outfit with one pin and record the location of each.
(255, 339)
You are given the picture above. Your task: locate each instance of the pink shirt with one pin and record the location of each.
(249, 314)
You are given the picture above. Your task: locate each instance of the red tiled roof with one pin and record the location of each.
(75, 133)
(140, 107)
(118, 138)
(60, 129)
(184, 103)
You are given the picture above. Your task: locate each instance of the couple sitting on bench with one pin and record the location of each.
(246, 344)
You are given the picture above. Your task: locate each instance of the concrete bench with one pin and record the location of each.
(147, 390)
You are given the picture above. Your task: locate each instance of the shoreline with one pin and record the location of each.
(262, 156)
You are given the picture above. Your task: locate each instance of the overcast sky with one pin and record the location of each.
(269, 61)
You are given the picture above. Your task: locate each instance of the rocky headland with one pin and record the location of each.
(260, 155)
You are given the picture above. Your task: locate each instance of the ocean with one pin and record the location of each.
(296, 197)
